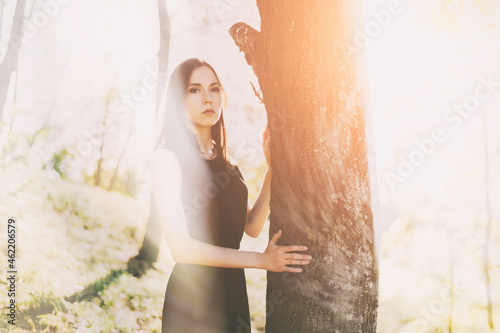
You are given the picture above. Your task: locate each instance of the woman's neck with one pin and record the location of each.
(204, 137)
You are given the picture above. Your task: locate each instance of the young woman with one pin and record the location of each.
(204, 210)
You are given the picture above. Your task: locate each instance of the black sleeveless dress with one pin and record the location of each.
(205, 299)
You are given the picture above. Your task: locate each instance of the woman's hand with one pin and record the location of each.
(276, 258)
(266, 141)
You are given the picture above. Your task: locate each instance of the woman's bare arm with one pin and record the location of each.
(257, 215)
(166, 179)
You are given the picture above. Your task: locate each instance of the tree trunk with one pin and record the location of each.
(152, 238)
(320, 190)
(97, 173)
(149, 250)
(486, 252)
(163, 51)
(9, 63)
(122, 154)
(452, 279)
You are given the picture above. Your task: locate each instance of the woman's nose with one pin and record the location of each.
(207, 99)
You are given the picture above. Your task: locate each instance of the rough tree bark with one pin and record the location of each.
(149, 250)
(320, 190)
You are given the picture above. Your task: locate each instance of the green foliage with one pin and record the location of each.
(57, 162)
(76, 241)
(127, 184)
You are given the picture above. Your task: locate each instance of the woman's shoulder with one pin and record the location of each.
(165, 159)
(163, 153)
(233, 168)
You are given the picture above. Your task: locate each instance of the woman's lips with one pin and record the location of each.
(209, 111)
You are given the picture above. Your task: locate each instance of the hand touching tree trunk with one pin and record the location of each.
(320, 190)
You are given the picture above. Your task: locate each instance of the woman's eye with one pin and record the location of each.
(216, 90)
(194, 90)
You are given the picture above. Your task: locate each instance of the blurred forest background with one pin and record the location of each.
(78, 125)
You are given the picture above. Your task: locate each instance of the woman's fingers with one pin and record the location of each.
(284, 255)
(266, 139)
(291, 248)
(297, 256)
(298, 262)
(266, 143)
(266, 134)
(293, 270)
(275, 237)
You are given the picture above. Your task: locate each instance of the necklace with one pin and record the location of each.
(210, 154)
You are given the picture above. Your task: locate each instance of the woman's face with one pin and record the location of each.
(203, 97)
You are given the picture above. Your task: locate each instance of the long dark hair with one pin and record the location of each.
(174, 132)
